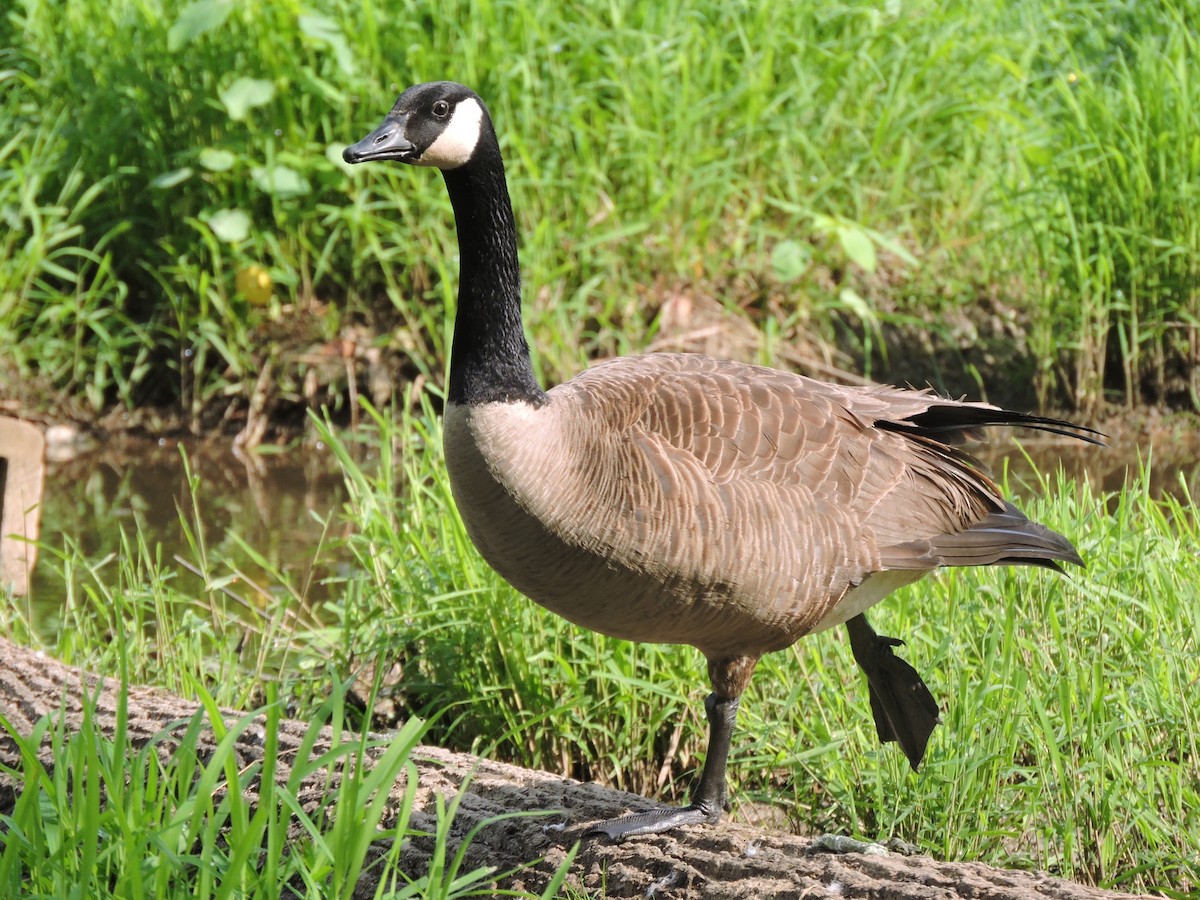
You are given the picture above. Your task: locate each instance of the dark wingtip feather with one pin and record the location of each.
(950, 421)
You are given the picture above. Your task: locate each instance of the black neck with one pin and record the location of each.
(489, 360)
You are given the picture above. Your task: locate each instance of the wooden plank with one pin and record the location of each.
(22, 477)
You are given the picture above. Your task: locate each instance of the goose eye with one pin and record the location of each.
(441, 109)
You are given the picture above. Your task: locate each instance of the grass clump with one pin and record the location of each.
(112, 820)
(108, 820)
(1121, 181)
(853, 173)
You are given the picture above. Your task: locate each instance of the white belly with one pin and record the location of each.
(859, 599)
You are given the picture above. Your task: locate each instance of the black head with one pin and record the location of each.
(435, 124)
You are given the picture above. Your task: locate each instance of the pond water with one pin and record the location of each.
(277, 522)
(1175, 470)
(289, 508)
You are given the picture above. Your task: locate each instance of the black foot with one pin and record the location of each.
(904, 709)
(708, 799)
(653, 821)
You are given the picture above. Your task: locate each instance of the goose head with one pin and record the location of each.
(439, 124)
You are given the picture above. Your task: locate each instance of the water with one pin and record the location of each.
(287, 509)
(1175, 470)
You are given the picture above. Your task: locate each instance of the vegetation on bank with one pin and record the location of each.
(1009, 187)
(117, 818)
(1072, 694)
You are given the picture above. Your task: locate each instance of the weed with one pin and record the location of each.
(1034, 153)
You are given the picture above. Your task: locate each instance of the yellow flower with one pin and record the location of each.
(254, 283)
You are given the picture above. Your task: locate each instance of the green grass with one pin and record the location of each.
(1036, 159)
(111, 820)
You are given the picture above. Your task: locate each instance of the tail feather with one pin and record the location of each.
(1004, 538)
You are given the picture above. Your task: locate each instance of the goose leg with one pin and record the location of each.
(709, 798)
(904, 709)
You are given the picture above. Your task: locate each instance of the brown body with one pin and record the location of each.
(684, 499)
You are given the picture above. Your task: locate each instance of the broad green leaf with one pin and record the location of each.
(245, 94)
(216, 160)
(196, 19)
(857, 245)
(170, 179)
(790, 259)
(856, 304)
(326, 31)
(280, 181)
(231, 225)
(1038, 155)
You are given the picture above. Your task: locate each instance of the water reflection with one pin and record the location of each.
(286, 509)
(1035, 462)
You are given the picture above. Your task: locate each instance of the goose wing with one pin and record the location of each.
(710, 471)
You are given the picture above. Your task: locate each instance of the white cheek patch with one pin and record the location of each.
(457, 141)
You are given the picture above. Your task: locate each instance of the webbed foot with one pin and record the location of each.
(653, 821)
(904, 709)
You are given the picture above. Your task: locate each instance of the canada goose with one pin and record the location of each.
(679, 498)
